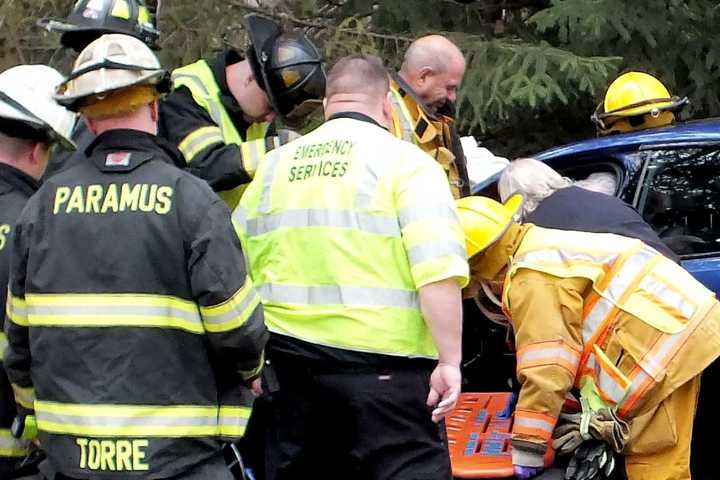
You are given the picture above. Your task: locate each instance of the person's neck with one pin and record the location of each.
(340, 105)
(21, 165)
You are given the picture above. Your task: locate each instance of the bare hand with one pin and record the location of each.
(256, 387)
(444, 390)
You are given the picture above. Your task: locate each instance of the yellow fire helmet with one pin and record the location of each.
(484, 220)
(635, 101)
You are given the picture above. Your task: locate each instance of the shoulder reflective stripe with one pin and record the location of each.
(564, 257)
(535, 424)
(554, 352)
(403, 117)
(3, 345)
(339, 295)
(16, 310)
(24, 396)
(251, 155)
(212, 104)
(432, 250)
(199, 140)
(683, 308)
(11, 446)
(271, 162)
(232, 313)
(127, 420)
(323, 218)
(369, 181)
(113, 310)
(419, 213)
(628, 274)
(233, 421)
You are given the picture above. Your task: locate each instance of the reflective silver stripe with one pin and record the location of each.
(235, 312)
(432, 250)
(609, 386)
(339, 295)
(315, 217)
(10, 446)
(669, 296)
(595, 318)
(239, 215)
(271, 163)
(203, 140)
(527, 422)
(550, 354)
(101, 421)
(629, 401)
(562, 257)
(418, 213)
(114, 310)
(367, 186)
(251, 148)
(215, 112)
(405, 125)
(628, 274)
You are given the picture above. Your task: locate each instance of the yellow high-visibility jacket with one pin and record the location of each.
(605, 306)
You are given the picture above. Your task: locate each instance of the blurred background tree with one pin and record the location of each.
(536, 68)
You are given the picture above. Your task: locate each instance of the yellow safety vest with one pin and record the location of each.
(433, 136)
(198, 78)
(341, 228)
(628, 277)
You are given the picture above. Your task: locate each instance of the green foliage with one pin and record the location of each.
(536, 68)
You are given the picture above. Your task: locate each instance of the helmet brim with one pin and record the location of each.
(72, 102)
(260, 30)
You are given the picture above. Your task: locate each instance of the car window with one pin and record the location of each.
(680, 196)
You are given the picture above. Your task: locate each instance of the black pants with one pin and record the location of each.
(354, 425)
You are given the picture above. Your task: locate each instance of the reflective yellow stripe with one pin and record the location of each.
(233, 312)
(199, 140)
(24, 396)
(113, 310)
(339, 295)
(3, 345)
(16, 310)
(11, 446)
(121, 9)
(233, 421)
(252, 152)
(133, 420)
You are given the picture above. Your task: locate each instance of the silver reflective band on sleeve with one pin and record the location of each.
(430, 251)
(239, 215)
(315, 217)
(527, 422)
(339, 295)
(418, 213)
(237, 311)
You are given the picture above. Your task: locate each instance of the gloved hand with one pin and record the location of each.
(509, 408)
(566, 436)
(526, 472)
(593, 460)
(605, 425)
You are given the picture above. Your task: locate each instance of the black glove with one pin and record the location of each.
(593, 460)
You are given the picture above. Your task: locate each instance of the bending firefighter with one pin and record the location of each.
(30, 122)
(133, 329)
(219, 110)
(604, 314)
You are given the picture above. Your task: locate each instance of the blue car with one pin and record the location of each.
(671, 176)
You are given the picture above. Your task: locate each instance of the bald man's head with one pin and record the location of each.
(434, 67)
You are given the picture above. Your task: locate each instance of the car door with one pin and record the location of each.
(678, 194)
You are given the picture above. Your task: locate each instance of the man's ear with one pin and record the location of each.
(387, 110)
(154, 111)
(424, 73)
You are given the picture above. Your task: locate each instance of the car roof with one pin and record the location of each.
(698, 131)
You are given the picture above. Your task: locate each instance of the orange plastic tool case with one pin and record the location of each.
(479, 441)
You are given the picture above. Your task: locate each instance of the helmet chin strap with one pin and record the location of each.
(494, 317)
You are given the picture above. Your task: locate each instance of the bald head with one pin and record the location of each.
(434, 67)
(357, 83)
